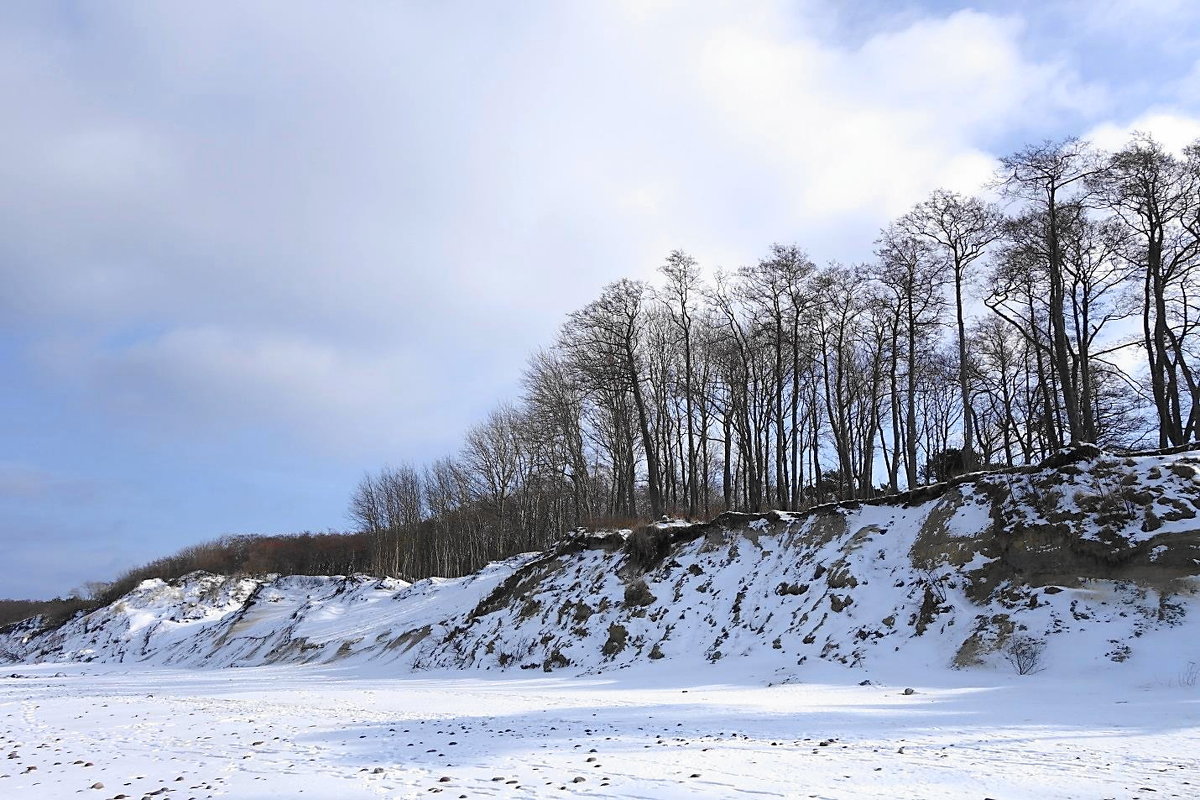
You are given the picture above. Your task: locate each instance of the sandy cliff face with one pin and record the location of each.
(1095, 555)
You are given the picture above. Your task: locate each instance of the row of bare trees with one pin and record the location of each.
(980, 336)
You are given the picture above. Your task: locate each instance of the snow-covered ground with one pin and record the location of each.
(113, 731)
(757, 655)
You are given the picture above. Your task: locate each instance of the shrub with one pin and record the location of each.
(1189, 674)
(1025, 654)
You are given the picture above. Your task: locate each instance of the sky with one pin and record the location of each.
(251, 250)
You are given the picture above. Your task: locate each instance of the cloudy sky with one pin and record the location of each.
(249, 250)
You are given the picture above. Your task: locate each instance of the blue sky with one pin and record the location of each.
(250, 250)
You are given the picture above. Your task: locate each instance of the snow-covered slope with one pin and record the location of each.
(1096, 556)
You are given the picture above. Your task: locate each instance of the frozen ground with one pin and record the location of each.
(115, 731)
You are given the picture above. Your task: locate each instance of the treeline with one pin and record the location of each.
(293, 554)
(289, 554)
(58, 609)
(979, 336)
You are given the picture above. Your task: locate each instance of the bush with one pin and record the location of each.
(1189, 674)
(53, 612)
(1025, 654)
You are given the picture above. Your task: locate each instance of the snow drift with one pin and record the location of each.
(1091, 555)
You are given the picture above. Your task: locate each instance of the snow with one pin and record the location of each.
(971, 517)
(713, 731)
(942, 582)
(696, 660)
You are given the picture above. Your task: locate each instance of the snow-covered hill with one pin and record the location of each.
(1095, 556)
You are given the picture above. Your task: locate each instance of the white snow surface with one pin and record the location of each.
(339, 733)
(695, 660)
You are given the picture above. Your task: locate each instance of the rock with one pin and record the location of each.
(909, 690)
(638, 594)
(840, 602)
(617, 635)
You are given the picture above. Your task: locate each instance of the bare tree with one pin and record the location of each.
(389, 506)
(1156, 197)
(604, 340)
(491, 459)
(1052, 177)
(962, 227)
(555, 404)
(683, 284)
(1096, 288)
(843, 297)
(911, 268)
(776, 288)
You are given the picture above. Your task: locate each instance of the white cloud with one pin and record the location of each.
(866, 132)
(332, 219)
(1172, 129)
